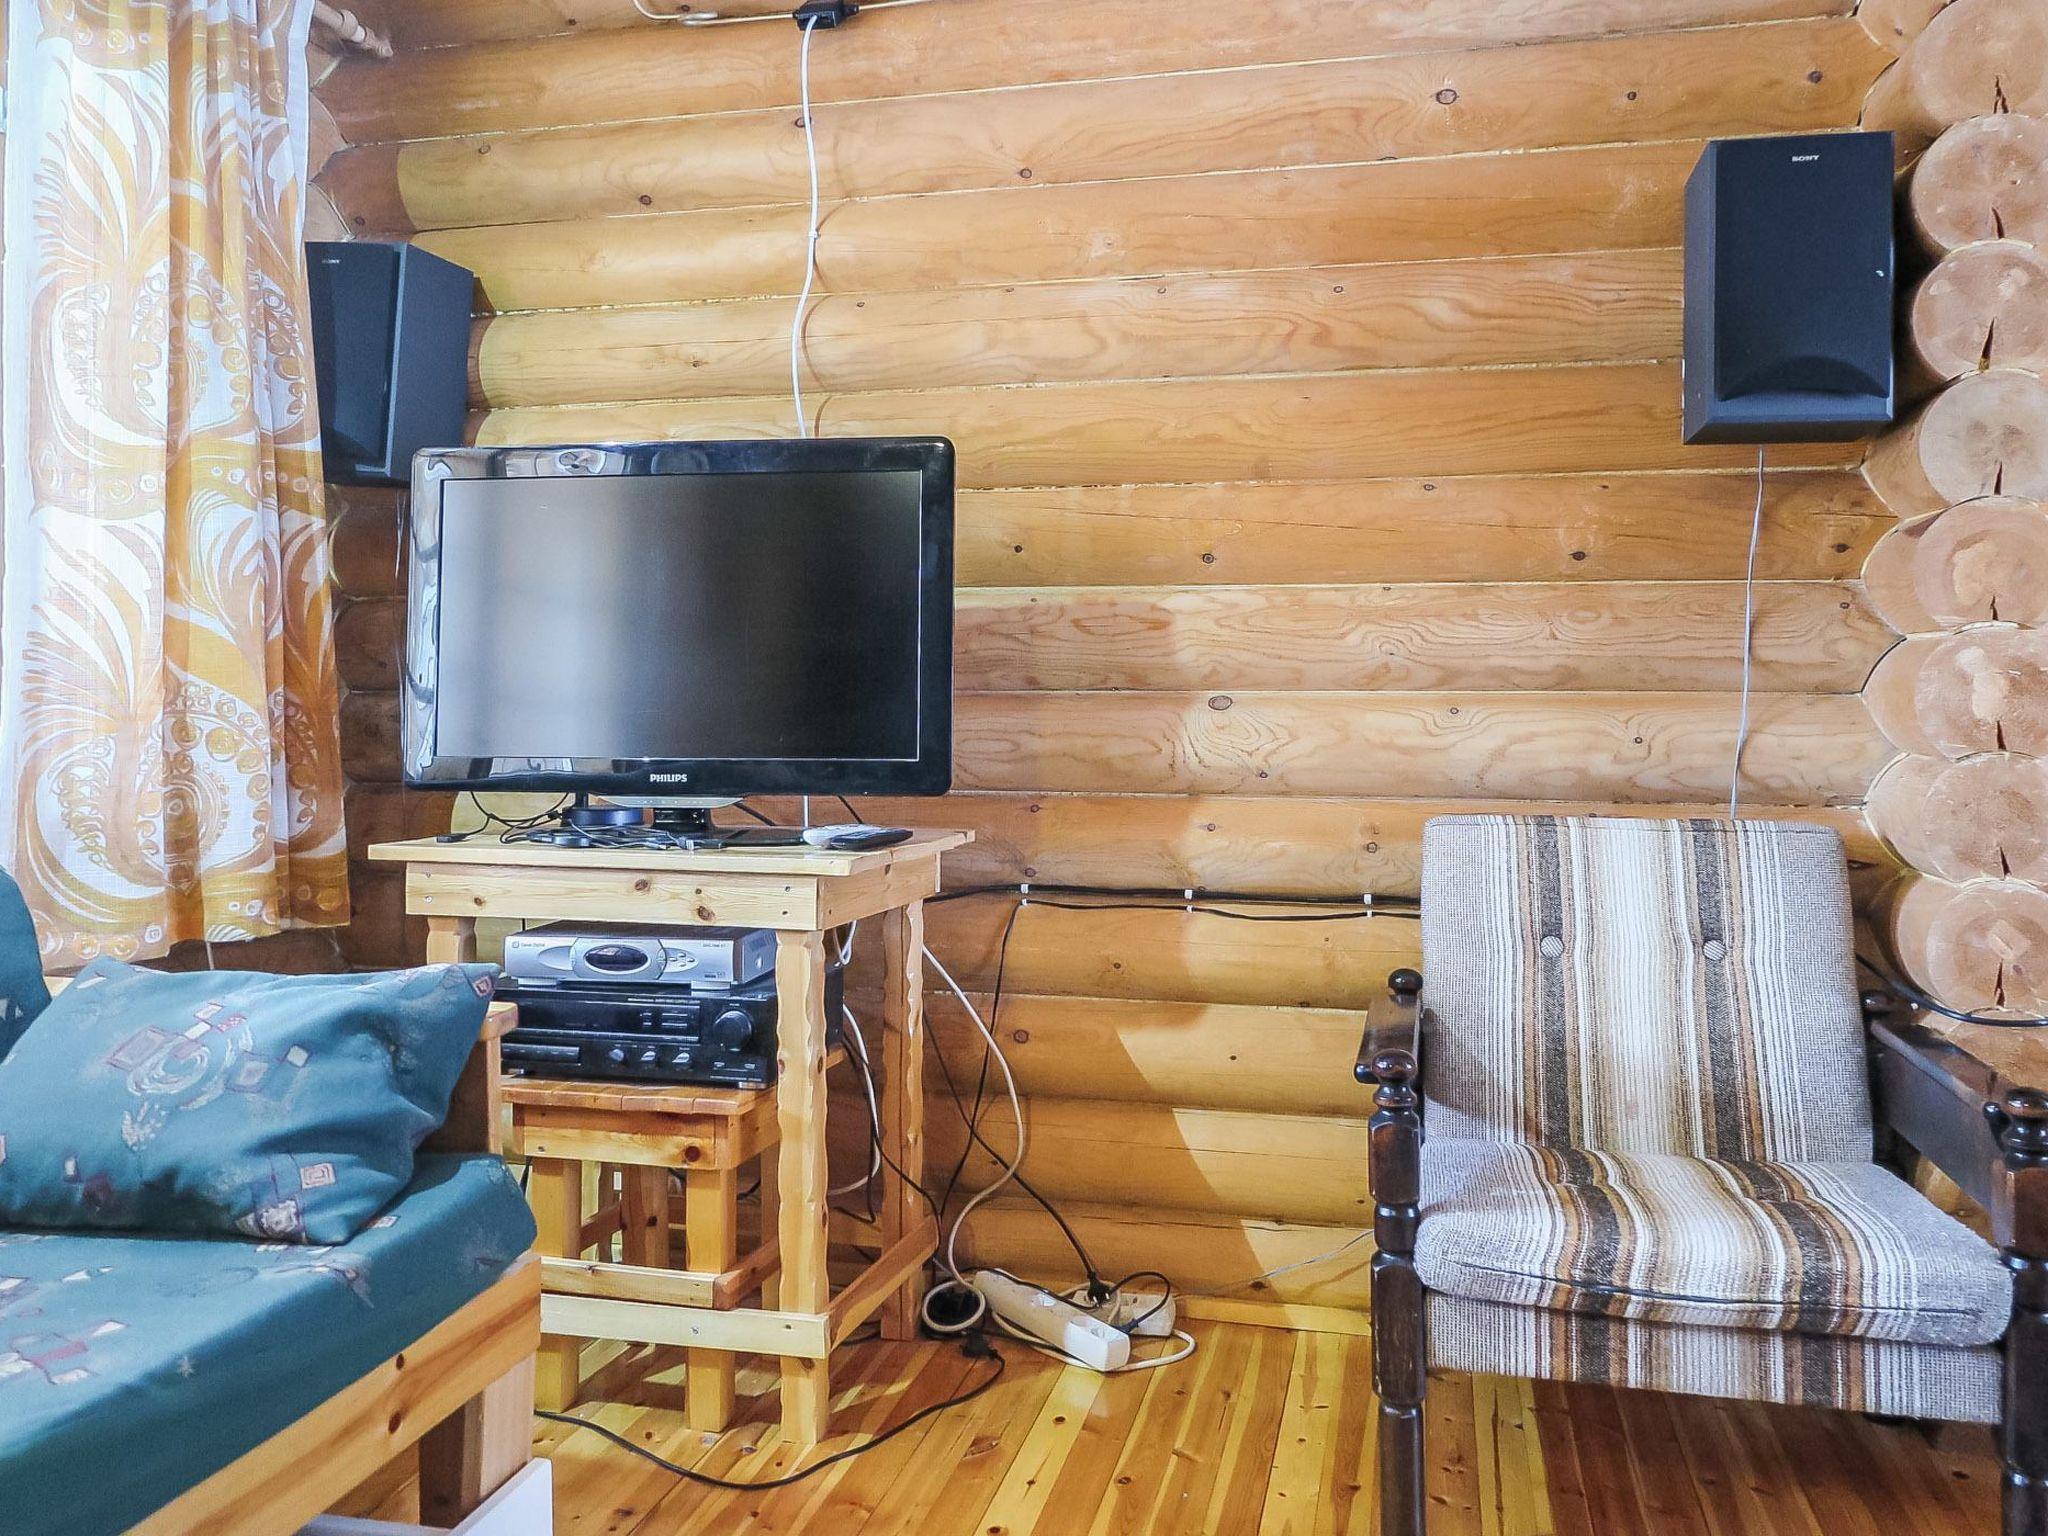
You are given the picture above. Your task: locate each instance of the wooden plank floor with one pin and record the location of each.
(1265, 1433)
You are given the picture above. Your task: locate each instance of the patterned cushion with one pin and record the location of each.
(1643, 986)
(1915, 1381)
(22, 993)
(278, 1107)
(1811, 1248)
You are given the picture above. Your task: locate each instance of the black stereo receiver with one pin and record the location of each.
(719, 1037)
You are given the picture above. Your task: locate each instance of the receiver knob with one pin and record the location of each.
(616, 1055)
(733, 1030)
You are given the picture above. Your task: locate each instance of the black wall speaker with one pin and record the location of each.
(1788, 289)
(390, 355)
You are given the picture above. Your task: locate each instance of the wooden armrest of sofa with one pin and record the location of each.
(1971, 1106)
(500, 1019)
(477, 1105)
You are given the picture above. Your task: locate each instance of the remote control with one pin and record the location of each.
(854, 836)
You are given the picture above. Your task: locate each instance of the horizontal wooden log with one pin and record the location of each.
(1615, 197)
(1479, 421)
(1891, 694)
(1890, 579)
(370, 749)
(293, 952)
(1635, 747)
(1983, 561)
(1776, 78)
(369, 642)
(1985, 817)
(391, 813)
(1893, 24)
(1896, 810)
(1293, 1061)
(1164, 954)
(663, 69)
(1985, 435)
(1808, 637)
(380, 936)
(1818, 525)
(1279, 1167)
(1606, 307)
(1984, 689)
(1981, 946)
(1974, 57)
(1326, 1266)
(1985, 305)
(1279, 844)
(363, 539)
(1982, 180)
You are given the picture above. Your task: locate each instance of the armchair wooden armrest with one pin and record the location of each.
(1981, 1120)
(1392, 1030)
(1389, 1058)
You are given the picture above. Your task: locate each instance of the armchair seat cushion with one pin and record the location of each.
(1821, 1249)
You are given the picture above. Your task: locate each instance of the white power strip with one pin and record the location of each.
(1054, 1321)
(1142, 1314)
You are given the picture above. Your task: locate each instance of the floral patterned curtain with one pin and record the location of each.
(169, 764)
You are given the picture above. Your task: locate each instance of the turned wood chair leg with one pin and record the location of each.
(1401, 1380)
(1399, 1359)
(2023, 1436)
(2019, 1217)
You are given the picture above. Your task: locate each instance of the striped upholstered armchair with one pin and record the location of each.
(1652, 1146)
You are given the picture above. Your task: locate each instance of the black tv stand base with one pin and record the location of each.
(581, 816)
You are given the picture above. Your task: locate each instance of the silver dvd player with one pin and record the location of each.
(702, 958)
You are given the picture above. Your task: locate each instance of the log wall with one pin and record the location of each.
(1314, 370)
(1963, 575)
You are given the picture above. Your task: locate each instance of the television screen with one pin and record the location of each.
(689, 619)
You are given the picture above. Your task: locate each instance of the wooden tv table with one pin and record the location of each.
(802, 894)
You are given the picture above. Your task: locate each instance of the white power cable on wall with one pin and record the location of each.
(1756, 531)
(803, 300)
(957, 1281)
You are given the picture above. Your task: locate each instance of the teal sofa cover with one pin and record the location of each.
(134, 1367)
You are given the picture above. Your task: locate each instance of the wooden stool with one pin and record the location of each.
(642, 1135)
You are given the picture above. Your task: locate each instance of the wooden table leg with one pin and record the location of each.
(803, 1215)
(555, 1190)
(768, 1169)
(450, 940)
(711, 1198)
(902, 1101)
(643, 1215)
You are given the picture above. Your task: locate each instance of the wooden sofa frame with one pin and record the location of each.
(1931, 1096)
(463, 1393)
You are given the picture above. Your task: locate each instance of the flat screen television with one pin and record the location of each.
(689, 621)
